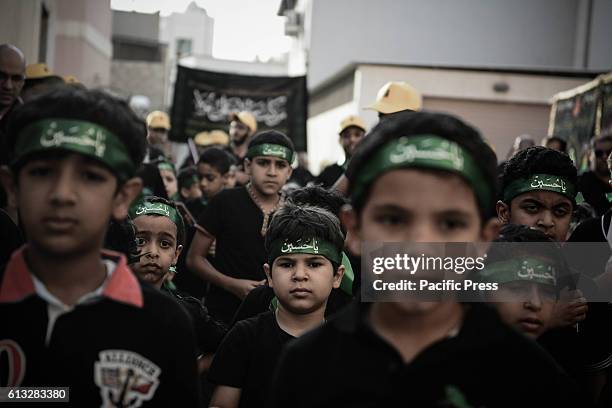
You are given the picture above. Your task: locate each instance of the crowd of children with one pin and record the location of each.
(135, 284)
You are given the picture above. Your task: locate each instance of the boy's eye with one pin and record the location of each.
(389, 219)
(281, 165)
(140, 241)
(165, 244)
(285, 264)
(262, 162)
(315, 264)
(450, 224)
(560, 212)
(531, 208)
(39, 170)
(94, 176)
(210, 177)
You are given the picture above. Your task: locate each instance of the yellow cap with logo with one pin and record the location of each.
(397, 96)
(39, 71)
(352, 120)
(246, 118)
(214, 137)
(158, 119)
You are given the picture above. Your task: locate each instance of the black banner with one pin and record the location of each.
(606, 108)
(203, 101)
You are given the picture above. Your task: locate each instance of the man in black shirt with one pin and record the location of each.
(595, 183)
(352, 130)
(304, 247)
(237, 219)
(419, 177)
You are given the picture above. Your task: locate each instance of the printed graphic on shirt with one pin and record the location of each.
(125, 378)
(16, 360)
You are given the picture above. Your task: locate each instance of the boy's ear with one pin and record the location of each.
(8, 182)
(503, 212)
(177, 253)
(268, 273)
(349, 218)
(490, 230)
(247, 165)
(124, 197)
(338, 277)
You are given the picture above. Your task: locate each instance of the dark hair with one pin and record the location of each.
(408, 123)
(186, 175)
(538, 160)
(562, 143)
(292, 222)
(601, 138)
(180, 229)
(318, 196)
(79, 104)
(217, 159)
(121, 237)
(272, 137)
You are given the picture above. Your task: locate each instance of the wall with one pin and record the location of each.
(140, 78)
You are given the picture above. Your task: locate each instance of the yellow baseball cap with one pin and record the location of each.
(247, 118)
(71, 79)
(352, 120)
(214, 137)
(158, 119)
(39, 71)
(397, 96)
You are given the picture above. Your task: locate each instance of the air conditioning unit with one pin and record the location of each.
(293, 25)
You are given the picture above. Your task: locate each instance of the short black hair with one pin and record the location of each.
(217, 159)
(121, 237)
(562, 142)
(601, 138)
(409, 123)
(292, 222)
(317, 196)
(180, 229)
(272, 137)
(79, 104)
(185, 176)
(538, 160)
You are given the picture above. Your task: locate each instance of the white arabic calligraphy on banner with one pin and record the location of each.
(216, 108)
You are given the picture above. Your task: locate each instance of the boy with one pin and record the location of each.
(213, 168)
(237, 219)
(168, 175)
(190, 192)
(75, 315)
(419, 177)
(525, 300)
(160, 235)
(302, 280)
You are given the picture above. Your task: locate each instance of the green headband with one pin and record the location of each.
(540, 182)
(77, 136)
(145, 207)
(189, 181)
(314, 246)
(520, 269)
(274, 150)
(428, 151)
(165, 166)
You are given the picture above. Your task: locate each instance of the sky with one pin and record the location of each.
(244, 29)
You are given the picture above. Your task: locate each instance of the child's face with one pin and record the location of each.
(419, 206)
(156, 238)
(170, 182)
(211, 180)
(191, 193)
(231, 177)
(302, 282)
(268, 174)
(546, 211)
(531, 316)
(65, 203)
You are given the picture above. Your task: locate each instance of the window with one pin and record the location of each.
(183, 46)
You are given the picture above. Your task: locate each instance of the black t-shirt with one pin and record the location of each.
(235, 221)
(594, 191)
(247, 358)
(330, 175)
(345, 363)
(10, 236)
(258, 301)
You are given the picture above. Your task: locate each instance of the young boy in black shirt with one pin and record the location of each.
(213, 170)
(419, 177)
(74, 314)
(237, 220)
(304, 247)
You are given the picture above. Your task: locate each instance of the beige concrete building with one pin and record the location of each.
(71, 36)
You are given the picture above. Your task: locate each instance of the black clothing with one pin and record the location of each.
(129, 344)
(330, 175)
(301, 176)
(346, 363)
(247, 358)
(4, 149)
(595, 191)
(258, 301)
(208, 331)
(235, 221)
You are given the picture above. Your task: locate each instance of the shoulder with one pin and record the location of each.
(165, 309)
